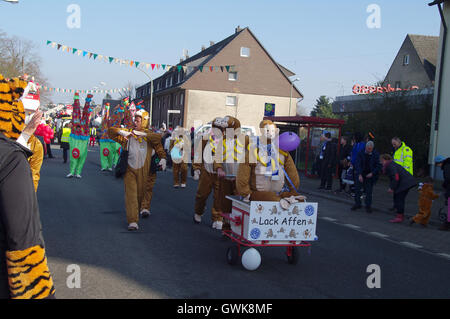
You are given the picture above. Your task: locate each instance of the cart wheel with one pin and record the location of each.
(443, 214)
(292, 255)
(232, 255)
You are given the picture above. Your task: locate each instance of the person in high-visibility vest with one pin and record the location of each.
(403, 155)
(65, 137)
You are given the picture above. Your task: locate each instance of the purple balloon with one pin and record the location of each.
(289, 141)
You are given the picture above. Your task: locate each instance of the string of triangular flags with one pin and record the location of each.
(137, 64)
(73, 91)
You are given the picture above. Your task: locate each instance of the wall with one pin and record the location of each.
(204, 106)
(440, 140)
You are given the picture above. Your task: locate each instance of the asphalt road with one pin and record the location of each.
(170, 257)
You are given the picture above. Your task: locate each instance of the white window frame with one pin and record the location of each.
(243, 54)
(227, 100)
(230, 77)
(406, 59)
(181, 98)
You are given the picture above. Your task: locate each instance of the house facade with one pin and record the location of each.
(440, 125)
(190, 97)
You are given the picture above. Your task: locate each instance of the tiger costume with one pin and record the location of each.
(24, 271)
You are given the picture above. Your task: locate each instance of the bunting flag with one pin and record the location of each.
(137, 64)
(71, 91)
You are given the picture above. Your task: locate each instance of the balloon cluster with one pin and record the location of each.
(46, 132)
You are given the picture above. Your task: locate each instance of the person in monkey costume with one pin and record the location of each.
(79, 137)
(180, 144)
(267, 170)
(205, 174)
(24, 272)
(141, 146)
(227, 167)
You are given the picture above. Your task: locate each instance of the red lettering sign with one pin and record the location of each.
(364, 89)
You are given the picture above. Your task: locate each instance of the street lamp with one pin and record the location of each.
(290, 99)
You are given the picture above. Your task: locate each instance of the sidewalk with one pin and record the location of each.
(382, 200)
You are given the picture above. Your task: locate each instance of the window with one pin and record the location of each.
(245, 52)
(181, 99)
(398, 85)
(179, 76)
(231, 101)
(406, 60)
(232, 76)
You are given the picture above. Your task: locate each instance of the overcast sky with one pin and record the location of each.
(326, 43)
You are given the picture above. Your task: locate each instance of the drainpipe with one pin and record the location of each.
(439, 88)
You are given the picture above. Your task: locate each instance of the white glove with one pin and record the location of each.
(247, 199)
(124, 133)
(163, 163)
(138, 133)
(196, 175)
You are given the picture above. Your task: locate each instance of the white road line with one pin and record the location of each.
(411, 245)
(379, 234)
(328, 219)
(444, 255)
(351, 226)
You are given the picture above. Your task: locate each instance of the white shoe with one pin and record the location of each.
(78, 176)
(69, 175)
(183, 185)
(133, 226)
(218, 225)
(197, 219)
(144, 213)
(110, 169)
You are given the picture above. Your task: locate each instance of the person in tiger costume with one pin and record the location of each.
(24, 272)
(179, 150)
(141, 145)
(267, 170)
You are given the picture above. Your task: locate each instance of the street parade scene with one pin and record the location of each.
(172, 151)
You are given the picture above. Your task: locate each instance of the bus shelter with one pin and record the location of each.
(309, 129)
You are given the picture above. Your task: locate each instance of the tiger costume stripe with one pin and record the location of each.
(12, 113)
(28, 274)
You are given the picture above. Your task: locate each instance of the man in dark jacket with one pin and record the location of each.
(401, 181)
(328, 161)
(367, 168)
(21, 239)
(344, 160)
(444, 164)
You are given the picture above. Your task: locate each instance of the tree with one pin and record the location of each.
(323, 108)
(18, 57)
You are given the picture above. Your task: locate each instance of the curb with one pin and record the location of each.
(351, 202)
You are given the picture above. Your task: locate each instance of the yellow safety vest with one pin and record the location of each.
(65, 135)
(403, 156)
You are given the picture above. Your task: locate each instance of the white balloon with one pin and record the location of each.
(251, 259)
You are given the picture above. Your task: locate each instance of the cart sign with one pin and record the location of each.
(268, 221)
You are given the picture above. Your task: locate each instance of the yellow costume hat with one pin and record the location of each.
(12, 113)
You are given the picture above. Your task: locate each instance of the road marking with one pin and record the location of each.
(351, 226)
(378, 234)
(328, 219)
(411, 245)
(444, 255)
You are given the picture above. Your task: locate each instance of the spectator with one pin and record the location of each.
(403, 155)
(344, 160)
(328, 161)
(426, 197)
(367, 169)
(444, 164)
(49, 145)
(65, 140)
(401, 181)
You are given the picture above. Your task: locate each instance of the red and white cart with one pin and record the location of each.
(267, 224)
